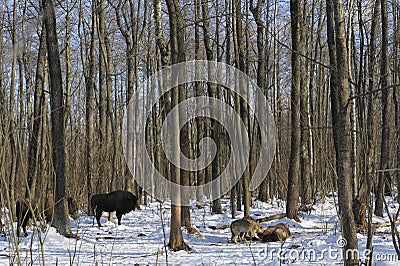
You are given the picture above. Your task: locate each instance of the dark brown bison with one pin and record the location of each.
(120, 201)
(24, 212)
(278, 232)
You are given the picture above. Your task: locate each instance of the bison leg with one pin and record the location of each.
(98, 215)
(18, 228)
(22, 224)
(119, 217)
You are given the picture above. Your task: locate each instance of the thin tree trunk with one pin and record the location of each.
(277, 104)
(242, 108)
(384, 181)
(89, 71)
(11, 126)
(396, 92)
(37, 113)
(216, 206)
(198, 92)
(102, 36)
(296, 14)
(68, 110)
(261, 82)
(305, 160)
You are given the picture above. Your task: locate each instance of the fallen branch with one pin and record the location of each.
(218, 227)
(112, 237)
(273, 217)
(383, 224)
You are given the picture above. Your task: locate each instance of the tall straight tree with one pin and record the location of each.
(240, 105)
(104, 83)
(61, 218)
(38, 102)
(384, 181)
(340, 91)
(396, 92)
(216, 206)
(176, 241)
(89, 73)
(256, 10)
(296, 14)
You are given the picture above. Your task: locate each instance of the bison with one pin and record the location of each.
(278, 232)
(120, 201)
(24, 212)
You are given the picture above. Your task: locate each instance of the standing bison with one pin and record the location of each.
(120, 201)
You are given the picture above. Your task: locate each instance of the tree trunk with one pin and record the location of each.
(11, 126)
(261, 82)
(296, 14)
(241, 106)
(384, 181)
(102, 36)
(341, 124)
(104, 102)
(199, 91)
(37, 112)
(61, 218)
(396, 92)
(90, 82)
(176, 241)
(216, 206)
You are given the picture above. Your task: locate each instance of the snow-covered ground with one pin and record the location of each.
(140, 240)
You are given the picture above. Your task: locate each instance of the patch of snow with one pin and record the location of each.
(140, 239)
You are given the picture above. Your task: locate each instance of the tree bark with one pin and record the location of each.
(261, 82)
(61, 218)
(384, 181)
(216, 206)
(296, 14)
(396, 92)
(240, 105)
(37, 113)
(176, 241)
(90, 81)
(341, 124)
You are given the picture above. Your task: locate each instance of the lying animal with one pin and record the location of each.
(278, 232)
(120, 201)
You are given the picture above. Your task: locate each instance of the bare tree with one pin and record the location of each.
(89, 74)
(37, 113)
(384, 182)
(212, 91)
(296, 14)
(256, 10)
(61, 218)
(176, 241)
(240, 105)
(341, 124)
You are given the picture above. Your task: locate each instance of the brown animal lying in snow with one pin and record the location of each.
(278, 232)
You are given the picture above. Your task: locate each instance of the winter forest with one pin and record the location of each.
(280, 127)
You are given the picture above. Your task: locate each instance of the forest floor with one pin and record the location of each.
(140, 240)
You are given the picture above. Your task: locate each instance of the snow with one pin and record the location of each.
(140, 240)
